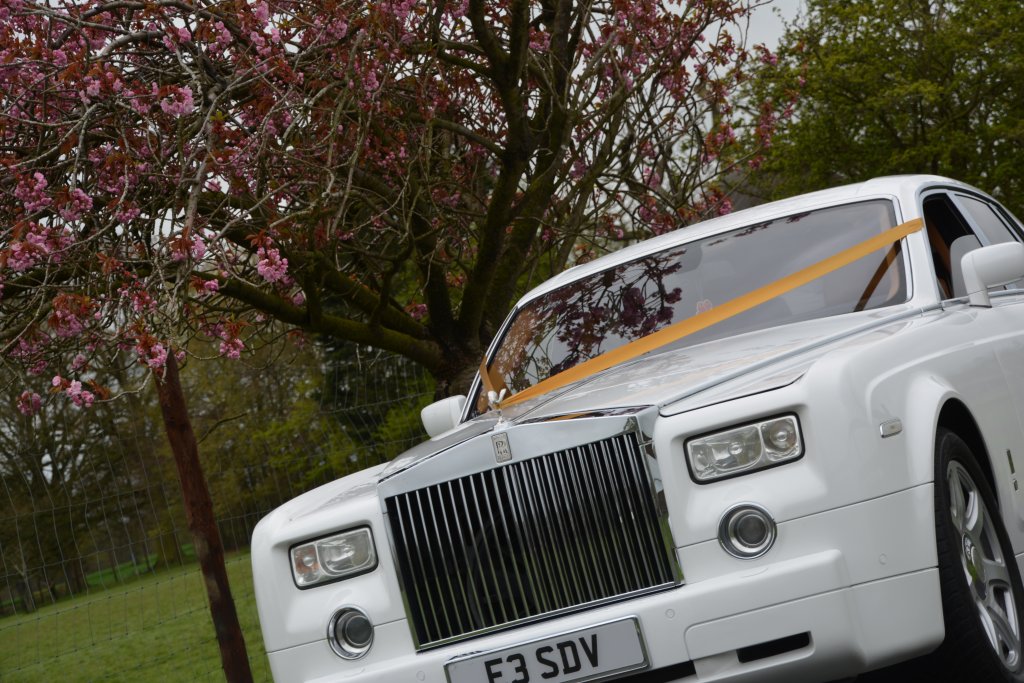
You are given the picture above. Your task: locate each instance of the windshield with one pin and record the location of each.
(605, 310)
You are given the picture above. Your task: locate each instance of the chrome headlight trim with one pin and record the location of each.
(315, 548)
(755, 434)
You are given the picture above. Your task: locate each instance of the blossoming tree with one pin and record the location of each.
(391, 173)
(388, 172)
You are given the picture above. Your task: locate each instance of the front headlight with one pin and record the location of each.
(333, 557)
(745, 448)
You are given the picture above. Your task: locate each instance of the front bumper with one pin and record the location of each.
(843, 591)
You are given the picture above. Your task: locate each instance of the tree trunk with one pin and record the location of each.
(23, 586)
(114, 564)
(202, 524)
(75, 576)
(456, 375)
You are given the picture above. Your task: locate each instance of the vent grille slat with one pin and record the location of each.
(560, 532)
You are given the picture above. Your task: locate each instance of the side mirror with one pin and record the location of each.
(999, 264)
(442, 415)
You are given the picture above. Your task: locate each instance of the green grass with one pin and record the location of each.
(128, 572)
(155, 628)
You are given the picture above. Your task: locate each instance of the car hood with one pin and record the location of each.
(717, 370)
(687, 378)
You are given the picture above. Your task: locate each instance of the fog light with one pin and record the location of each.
(746, 531)
(350, 633)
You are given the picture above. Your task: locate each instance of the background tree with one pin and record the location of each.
(899, 86)
(64, 496)
(391, 173)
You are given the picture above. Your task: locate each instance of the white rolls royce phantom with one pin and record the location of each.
(780, 445)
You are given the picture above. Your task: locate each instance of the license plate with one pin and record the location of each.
(585, 655)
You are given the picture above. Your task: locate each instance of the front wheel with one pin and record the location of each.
(981, 585)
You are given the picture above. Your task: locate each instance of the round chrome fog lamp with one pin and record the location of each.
(350, 633)
(747, 531)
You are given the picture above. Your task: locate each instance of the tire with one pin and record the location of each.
(981, 586)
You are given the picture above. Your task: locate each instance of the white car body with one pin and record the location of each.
(851, 582)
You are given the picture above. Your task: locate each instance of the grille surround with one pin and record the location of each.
(531, 539)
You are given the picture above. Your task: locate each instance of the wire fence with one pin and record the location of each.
(98, 579)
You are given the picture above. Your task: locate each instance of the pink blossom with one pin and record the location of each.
(652, 177)
(153, 355)
(29, 403)
(261, 12)
(179, 103)
(140, 300)
(232, 348)
(223, 35)
(78, 203)
(337, 29)
(78, 363)
(767, 56)
(69, 315)
(139, 105)
(21, 256)
(127, 213)
(299, 298)
(32, 193)
(211, 286)
(370, 82)
(78, 396)
(272, 267)
(198, 249)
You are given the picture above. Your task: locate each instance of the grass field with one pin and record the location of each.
(156, 628)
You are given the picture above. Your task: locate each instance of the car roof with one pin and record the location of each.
(892, 187)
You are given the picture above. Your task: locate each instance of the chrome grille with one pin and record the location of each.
(555, 533)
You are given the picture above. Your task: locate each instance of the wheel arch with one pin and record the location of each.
(957, 418)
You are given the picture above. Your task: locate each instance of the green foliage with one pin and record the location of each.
(387, 393)
(288, 418)
(900, 86)
(402, 426)
(263, 435)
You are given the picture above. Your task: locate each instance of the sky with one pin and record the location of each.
(766, 23)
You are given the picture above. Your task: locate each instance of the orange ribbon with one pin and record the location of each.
(701, 321)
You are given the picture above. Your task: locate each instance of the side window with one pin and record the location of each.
(956, 225)
(946, 228)
(992, 226)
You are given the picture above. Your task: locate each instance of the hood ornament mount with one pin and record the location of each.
(494, 399)
(499, 439)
